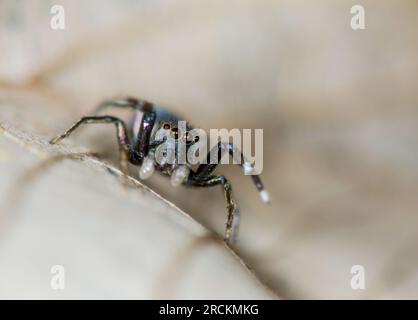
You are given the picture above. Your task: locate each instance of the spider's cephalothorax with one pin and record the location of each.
(140, 146)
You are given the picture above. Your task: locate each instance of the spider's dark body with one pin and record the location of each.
(139, 143)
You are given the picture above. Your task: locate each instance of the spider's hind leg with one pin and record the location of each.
(143, 122)
(123, 103)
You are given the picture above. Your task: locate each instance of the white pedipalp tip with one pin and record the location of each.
(265, 196)
(147, 168)
(179, 175)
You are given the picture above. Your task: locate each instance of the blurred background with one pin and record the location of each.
(339, 109)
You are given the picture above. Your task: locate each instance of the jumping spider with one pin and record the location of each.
(147, 120)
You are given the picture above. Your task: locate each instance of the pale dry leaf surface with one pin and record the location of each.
(338, 109)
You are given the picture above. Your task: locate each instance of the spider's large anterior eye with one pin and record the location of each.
(187, 137)
(166, 126)
(175, 133)
(196, 139)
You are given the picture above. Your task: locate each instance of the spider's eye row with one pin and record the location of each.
(175, 134)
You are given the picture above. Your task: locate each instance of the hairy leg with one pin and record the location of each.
(232, 208)
(125, 149)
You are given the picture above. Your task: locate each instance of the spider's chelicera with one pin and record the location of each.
(158, 141)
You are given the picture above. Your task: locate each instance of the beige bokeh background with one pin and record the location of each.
(338, 108)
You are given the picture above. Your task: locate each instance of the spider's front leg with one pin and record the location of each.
(232, 220)
(144, 120)
(125, 150)
(208, 168)
(203, 178)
